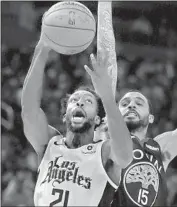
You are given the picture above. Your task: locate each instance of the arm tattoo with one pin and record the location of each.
(106, 39)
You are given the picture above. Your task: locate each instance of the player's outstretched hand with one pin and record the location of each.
(99, 74)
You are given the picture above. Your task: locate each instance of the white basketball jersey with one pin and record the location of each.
(71, 177)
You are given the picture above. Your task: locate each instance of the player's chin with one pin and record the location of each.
(78, 124)
(78, 128)
(132, 122)
(131, 119)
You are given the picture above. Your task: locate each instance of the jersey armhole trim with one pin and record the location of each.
(109, 179)
(46, 148)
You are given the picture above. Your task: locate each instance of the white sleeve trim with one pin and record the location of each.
(115, 186)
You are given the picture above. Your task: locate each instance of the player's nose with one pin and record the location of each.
(80, 103)
(132, 105)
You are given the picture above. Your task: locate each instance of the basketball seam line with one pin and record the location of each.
(69, 27)
(69, 8)
(67, 45)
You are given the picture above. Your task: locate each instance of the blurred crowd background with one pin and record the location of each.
(146, 45)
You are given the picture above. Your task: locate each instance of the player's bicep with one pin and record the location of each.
(36, 130)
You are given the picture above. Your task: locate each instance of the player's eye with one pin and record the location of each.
(73, 100)
(89, 101)
(124, 104)
(139, 103)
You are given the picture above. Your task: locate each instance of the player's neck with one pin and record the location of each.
(75, 140)
(140, 134)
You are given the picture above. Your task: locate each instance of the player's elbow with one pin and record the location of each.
(25, 111)
(29, 114)
(25, 105)
(25, 118)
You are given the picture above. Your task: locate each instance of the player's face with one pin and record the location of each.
(134, 108)
(81, 113)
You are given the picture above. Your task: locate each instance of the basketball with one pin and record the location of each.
(68, 27)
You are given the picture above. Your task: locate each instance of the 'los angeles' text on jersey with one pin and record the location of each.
(72, 177)
(65, 171)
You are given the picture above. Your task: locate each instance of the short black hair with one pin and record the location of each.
(136, 90)
(101, 111)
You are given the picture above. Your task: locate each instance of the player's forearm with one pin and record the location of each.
(106, 39)
(32, 89)
(121, 143)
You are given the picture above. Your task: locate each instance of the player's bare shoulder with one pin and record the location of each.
(167, 142)
(164, 137)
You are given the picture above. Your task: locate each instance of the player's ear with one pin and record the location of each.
(64, 118)
(151, 118)
(97, 120)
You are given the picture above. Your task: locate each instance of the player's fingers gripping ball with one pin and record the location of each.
(68, 27)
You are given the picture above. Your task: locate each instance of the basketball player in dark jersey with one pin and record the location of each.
(142, 182)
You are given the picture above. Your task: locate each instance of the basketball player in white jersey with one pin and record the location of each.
(75, 170)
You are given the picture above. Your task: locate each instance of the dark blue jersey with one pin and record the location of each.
(142, 181)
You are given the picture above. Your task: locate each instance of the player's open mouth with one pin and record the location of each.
(78, 116)
(131, 114)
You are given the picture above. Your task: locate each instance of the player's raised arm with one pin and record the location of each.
(120, 144)
(106, 40)
(36, 128)
(106, 45)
